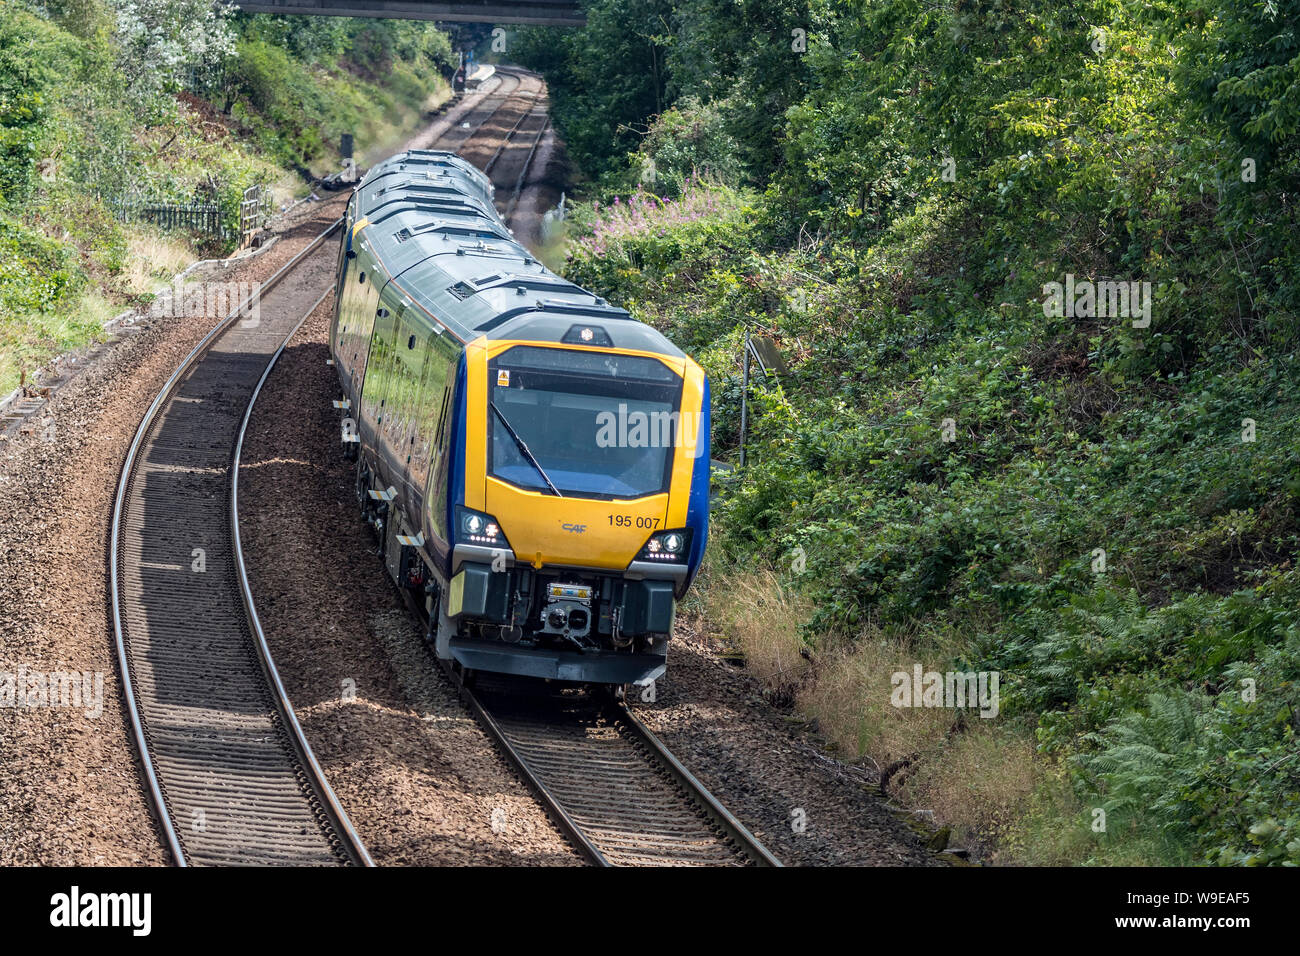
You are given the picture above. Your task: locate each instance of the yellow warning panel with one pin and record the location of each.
(456, 595)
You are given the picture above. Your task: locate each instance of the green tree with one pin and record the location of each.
(606, 80)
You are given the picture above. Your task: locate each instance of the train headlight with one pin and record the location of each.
(478, 528)
(667, 546)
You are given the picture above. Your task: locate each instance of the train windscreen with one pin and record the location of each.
(583, 423)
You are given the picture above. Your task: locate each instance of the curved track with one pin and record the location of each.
(229, 771)
(607, 780)
(232, 778)
(616, 791)
(231, 775)
(470, 124)
(506, 139)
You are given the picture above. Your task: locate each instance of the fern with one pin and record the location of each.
(1147, 764)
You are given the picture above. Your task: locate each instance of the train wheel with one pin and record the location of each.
(606, 693)
(464, 675)
(362, 487)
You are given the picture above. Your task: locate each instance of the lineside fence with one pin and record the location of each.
(199, 216)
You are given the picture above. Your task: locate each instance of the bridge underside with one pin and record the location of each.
(566, 13)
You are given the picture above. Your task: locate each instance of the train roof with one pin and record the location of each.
(432, 226)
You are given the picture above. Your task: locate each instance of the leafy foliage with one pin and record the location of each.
(606, 79)
(1113, 523)
(687, 142)
(100, 99)
(288, 83)
(34, 56)
(160, 41)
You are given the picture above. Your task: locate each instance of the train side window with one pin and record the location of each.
(403, 393)
(361, 278)
(430, 408)
(410, 343)
(442, 415)
(374, 335)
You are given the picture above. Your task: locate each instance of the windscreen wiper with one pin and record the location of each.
(523, 447)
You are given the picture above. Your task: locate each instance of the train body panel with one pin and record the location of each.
(534, 460)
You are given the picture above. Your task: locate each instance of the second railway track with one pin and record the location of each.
(230, 773)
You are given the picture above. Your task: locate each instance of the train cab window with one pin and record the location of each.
(595, 425)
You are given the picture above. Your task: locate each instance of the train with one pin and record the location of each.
(534, 461)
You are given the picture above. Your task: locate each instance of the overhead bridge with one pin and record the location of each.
(565, 13)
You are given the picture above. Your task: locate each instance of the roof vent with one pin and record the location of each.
(461, 290)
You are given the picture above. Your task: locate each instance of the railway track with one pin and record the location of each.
(460, 138)
(539, 121)
(230, 773)
(506, 140)
(611, 785)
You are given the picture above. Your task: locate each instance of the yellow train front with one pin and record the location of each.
(535, 460)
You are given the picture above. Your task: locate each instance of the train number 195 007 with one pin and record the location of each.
(626, 521)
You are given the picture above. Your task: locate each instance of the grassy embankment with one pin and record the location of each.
(72, 137)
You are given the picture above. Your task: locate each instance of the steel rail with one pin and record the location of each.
(324, 791)
(532, 107)
(553, 807)
(500, 99)
(156, 787)
(523, 173)
(721, 816)
(735, 840)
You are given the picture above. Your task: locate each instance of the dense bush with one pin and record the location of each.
(606, 80)
(687, 142)
(298, 83)
(35, 59)
(102, 100)
(36, 274)
(1108, 515)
